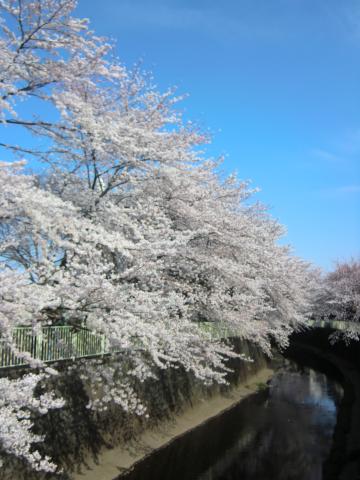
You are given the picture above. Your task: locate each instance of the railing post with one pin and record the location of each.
(103, 344)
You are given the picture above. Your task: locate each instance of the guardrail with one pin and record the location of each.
(334, 324)
(217, 330)
(53, 343)
(56, 343)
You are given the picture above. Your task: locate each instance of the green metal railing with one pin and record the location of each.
(55, 343)
(52, 344)
(217, 330)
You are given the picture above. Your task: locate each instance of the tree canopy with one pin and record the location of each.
(131, 230)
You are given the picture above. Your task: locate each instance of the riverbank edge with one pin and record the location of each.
(343, 462)
(113, 462)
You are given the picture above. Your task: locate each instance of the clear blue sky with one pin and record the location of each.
(277, 82)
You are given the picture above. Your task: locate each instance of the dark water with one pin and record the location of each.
(280, 433)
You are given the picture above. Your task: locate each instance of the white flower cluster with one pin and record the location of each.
(17, 403)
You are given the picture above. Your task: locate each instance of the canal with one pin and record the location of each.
(282, 432)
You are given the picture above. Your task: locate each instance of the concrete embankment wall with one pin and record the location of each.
(75, 436)
(342, 361)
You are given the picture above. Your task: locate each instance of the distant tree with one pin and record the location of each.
(344, 286)
(337, 297)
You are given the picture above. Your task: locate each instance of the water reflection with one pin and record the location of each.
(283, 433)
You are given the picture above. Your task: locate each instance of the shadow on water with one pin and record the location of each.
(283, 432)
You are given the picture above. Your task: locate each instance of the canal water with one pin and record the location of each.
(282, 432)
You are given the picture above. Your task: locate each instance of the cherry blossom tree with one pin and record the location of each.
(231, 268)
(131, 232)
(338, 298)
(344, 285)
(61, 266)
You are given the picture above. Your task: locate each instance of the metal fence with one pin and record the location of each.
(333, 324)
(217, 330)
(51, 344)
(56, 343)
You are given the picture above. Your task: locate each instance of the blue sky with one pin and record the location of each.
(277, 82)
